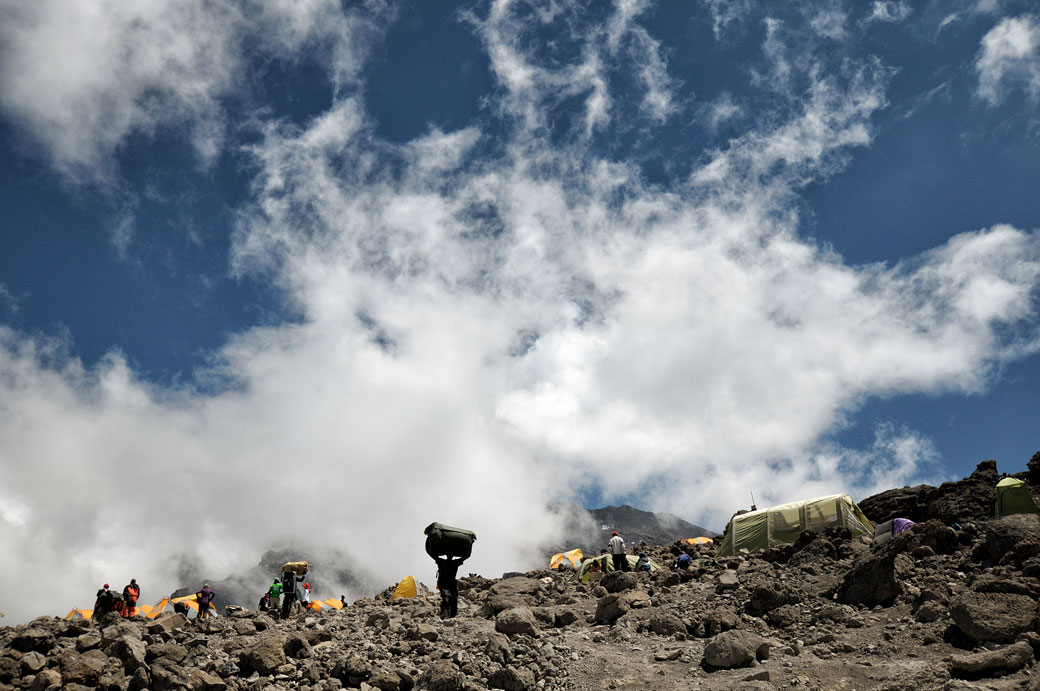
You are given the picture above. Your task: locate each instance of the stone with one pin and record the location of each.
(499, 649)
(610, 608)
(871, 581)
(996, 617)
(636, 599)
(516, 620)
(33, 639)
(619, 581)
(520, 586)
(204, 681)
(32, 662)
(666, 624)
(512, 679)
(83, 669)
(46, 679)
(130, 651)
(424, 632)
(735, 649)
(929, 612)
(1003, 537)
(727, 580)
(297, 647)
(264, 657)
(386, 681)
(768, 595)
(992, 662)
(442, 675)
(167, 623)
(352, 670)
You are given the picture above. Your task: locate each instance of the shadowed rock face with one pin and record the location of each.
(970, 499)
(932, 603)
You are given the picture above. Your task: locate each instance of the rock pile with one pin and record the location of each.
(934, 608)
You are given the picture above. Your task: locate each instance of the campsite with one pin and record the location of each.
(818, 593)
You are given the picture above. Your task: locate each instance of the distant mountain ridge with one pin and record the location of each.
(589, 529)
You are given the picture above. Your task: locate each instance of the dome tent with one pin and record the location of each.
(1013, 497)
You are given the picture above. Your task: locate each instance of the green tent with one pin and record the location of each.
(781, 525)
(1013, 497)
(582, 574)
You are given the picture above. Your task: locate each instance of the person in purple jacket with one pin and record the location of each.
(204, 597)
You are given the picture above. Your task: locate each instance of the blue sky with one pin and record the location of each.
(412, 262)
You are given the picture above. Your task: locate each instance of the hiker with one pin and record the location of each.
(265, 603)
(105, 602)
(273, 593)
(595, 567)
(447, 568)
(617, 552)
(643, 562)
(343, 600)
(130, 594)
(180, 608)
(683, 562)
(288, 592)
(204, 597)
(306, 599)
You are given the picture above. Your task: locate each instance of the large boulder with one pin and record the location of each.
(516, 620)
(610, 608)
(264, 657)
(85, 669)
(1009, 536)
(992, 662)
(735, 648)
(351, 670)
(33, 638)
(871, 580)
(666, 623)
(442, 675)
(512, 679)
(619, 581)
(996, 617)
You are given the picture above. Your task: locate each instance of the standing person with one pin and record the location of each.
(203, 598)
(103, 602)
(274, 592)
(447, 569)
(617, 552)
(288, 592)
(130, 594)
(306, 599)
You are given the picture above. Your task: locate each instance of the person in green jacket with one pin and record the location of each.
(275, 592)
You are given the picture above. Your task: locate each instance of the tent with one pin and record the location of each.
(781, 525)
(80, 614)
(333, 602)
(167, 603)
(1013, 497)
(405, 589)
(698, 540)
(583, 575)
(573, 557)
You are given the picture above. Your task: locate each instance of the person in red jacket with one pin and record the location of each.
(130, 594)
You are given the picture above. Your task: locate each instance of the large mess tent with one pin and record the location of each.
(1013, 497)
(781, 525)
(697, 540)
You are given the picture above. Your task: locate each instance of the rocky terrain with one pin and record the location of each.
(950, 604)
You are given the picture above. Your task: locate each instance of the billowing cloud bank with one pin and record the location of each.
(494, 317)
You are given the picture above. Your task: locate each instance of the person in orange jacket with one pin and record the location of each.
(130, 594)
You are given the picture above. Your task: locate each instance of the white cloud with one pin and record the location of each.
(888, 11)
(84, 77)
(1009, 59)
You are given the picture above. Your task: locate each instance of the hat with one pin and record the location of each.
(306, 585)
(106, 585)
(614, 533)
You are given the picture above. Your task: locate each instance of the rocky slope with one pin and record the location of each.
(937, 607)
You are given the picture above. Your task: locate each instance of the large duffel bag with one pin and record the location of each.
(445, 540)
(297, 567)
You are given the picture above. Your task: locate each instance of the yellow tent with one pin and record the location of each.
(406, 588)
(84, 613)
(574, 557)
(334, 603)
(698, 540)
